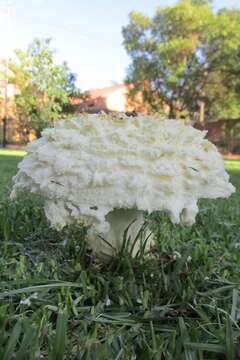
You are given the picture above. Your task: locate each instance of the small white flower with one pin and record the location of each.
(26, 302)
(176, 255)
(139, 301)
(151, 275)
(206, 278)
(108, 302)
(189, 258)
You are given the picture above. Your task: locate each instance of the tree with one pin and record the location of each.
(223, 55)
(201, 2)
(3, 100)
(6, 99)
(178, 52)
(44, 87)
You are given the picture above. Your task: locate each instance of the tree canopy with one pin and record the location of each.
(43, 86)
(185, 55)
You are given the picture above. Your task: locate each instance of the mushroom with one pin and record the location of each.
(106, 170)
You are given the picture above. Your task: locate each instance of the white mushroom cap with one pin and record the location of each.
(89, 166)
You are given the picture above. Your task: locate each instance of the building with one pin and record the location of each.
(108, 99)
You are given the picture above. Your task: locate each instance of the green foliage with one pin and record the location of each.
(186, 54)
(201, 2)
(58, 302)
(43, 87)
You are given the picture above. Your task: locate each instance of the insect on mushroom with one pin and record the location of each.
(106, 170)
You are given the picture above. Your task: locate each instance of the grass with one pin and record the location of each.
(58, 302)
(8, 164)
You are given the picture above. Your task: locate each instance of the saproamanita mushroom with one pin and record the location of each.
(106, 170)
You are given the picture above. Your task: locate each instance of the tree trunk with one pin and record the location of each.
(202, 114)
(4, 136)
(172, 111)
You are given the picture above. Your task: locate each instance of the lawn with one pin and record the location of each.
(58, 302)
(8, 164)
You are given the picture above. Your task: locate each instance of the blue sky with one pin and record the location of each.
(87, 34)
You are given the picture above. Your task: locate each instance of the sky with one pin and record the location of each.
(85, 33)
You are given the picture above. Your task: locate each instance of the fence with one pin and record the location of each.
(225, 133)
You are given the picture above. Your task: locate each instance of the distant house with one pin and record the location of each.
(108, 99)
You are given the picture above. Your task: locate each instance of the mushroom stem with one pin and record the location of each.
(111, 243)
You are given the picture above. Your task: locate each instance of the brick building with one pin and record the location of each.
(108, 99)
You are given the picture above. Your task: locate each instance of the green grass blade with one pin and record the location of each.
(37, 288)
(219, 349)
(189, 354)
(12, 342)
(234, 309)
(230, 346)
(28, 343)
(60, 337)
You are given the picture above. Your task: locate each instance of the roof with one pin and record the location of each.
(95, 93)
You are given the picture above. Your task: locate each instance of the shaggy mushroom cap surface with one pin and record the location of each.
(88, 166)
